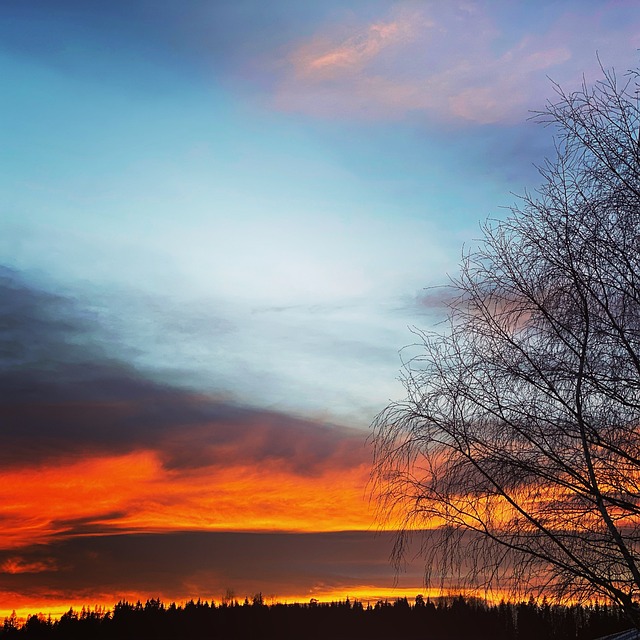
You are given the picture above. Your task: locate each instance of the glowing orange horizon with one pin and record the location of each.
(135, 493)
(56, 606)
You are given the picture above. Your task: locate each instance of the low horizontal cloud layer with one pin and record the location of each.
(206, 565)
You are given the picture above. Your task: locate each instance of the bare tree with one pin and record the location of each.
(519, 439)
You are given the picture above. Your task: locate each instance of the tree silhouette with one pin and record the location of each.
(453, 617)
(519, 437)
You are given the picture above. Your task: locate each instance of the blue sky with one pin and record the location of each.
(245, 200)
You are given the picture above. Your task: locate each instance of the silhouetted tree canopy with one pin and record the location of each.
(519, 437)
(441, 619)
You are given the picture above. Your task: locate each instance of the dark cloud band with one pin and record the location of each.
(62, 392)
(205, 565)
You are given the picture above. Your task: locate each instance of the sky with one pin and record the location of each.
(219, 222)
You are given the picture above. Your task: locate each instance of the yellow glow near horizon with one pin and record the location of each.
(366, 594)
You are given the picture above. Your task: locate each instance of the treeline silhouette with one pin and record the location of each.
(440, 619)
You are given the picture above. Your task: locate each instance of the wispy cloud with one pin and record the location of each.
(326, 57)
(17, 564)
(448, 61)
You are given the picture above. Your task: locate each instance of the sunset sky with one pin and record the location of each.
(218, 220)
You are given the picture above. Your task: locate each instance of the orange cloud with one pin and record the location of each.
(20, 565)
(134, 492)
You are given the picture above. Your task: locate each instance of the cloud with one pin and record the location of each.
(436, 300)
(453, 62)
(325, 58)
(61, 394)
(17, 564)
(91, 445)
(100, 495)
(179, 566)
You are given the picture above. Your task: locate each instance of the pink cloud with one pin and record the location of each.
(448, 61)
(324, 57)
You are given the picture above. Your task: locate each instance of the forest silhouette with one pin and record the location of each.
(440, 619)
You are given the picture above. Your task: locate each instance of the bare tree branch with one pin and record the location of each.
(517, 448)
